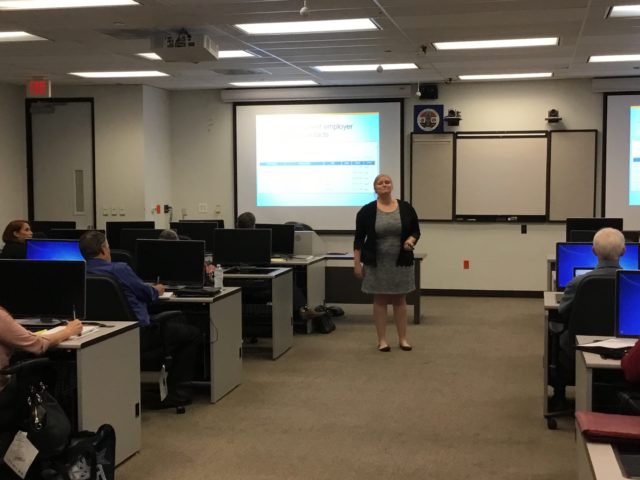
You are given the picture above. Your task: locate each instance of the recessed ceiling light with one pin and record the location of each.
(234, 54)
(145, 73)
(18, 37)
(317, 26)
(505, 76)
(614, 58)
(621, 11)
(150, 56)
(275, 83)
(51, 4)
(506, 43)
(365, 68)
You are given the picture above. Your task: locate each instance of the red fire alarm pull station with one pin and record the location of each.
(158, 208)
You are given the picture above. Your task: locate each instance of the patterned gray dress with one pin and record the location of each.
(387, 277)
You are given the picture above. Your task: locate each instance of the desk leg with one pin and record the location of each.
(281, 314)
(585, 471)
(109, 389)
(225, 341)
(584, 384)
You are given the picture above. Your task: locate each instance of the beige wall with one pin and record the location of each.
(13, 163)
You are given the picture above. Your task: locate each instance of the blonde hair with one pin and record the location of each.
(378, 177)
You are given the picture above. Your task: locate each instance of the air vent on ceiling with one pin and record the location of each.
(242, 71)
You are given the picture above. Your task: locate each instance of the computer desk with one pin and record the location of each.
(278, 307)
(225, 338)
(309, 276)
(596, 461)
(108, 382)
(343, 287)
(588, 365)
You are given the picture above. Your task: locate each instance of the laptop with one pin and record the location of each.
(628, 303)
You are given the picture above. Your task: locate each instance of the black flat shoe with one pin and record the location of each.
(386, 348)
(406, 348)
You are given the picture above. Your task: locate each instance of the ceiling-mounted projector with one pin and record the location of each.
(185, 47)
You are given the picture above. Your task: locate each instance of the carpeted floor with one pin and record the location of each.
(466, 403)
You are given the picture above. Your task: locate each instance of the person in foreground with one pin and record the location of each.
(15, 238)
(14, 336)
(608, 246)
(180, 339)
(387, 231)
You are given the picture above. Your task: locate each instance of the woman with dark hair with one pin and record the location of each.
(15, 238)
(387, 231)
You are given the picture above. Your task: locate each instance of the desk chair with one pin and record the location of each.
(592, 313)
(105, 301)
(122, 256)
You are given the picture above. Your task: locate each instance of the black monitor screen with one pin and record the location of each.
(217, 221)
(42, 288)
(128, 237)
(38, 249)
(44, 226)
(114, 228)
(282, 237)
(590, 224)
(197, 231)
(242, 246)
(67, 233)
(172, 262)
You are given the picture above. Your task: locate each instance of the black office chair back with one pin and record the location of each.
(122, 256)
(105, 300)
(593, 309)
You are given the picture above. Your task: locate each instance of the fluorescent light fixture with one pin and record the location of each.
(621, 11)
(18, 37)
(275, 83)
(149, 56)
(505, 76)
(614, 58)
(317, 26)
(365, 68)
(145, 73)
(234, 54)
(51, 4)
(510, 43)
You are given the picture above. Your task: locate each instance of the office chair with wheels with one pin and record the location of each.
(592, 313)
(105, 301)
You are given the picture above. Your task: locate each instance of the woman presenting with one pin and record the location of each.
(15, 238)
(387, 230)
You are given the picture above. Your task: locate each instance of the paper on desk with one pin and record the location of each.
(166, 295)
(612, 343)
(85, 330)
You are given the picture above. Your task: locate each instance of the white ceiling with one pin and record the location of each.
(94, 39)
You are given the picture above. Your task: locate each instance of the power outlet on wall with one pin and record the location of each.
(203, 208)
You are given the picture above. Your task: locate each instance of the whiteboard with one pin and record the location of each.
(501, 176)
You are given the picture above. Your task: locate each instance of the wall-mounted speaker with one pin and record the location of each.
(428, 92)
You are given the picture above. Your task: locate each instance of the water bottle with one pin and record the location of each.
(218, 275)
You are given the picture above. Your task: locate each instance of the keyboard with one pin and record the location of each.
(197, 292)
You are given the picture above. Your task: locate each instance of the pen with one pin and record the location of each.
(158, 280)
(73, 313)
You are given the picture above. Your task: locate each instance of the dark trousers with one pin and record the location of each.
(171, 337)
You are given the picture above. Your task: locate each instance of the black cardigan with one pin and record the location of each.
(365, 239)
(14, 250)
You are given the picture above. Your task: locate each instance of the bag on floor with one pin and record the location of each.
(323, 324)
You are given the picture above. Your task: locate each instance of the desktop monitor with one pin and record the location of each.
(282, 237)
(41, 249)
(589, 225)
(197, 231)
(171, 262)
(114, 228)
(217, 221)
(68, 233)
(581, 256)
(628, 303)
(242, 246)
(45, 226)
(128, 237)
(43, 288)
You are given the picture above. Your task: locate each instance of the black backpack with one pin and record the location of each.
(323, 323)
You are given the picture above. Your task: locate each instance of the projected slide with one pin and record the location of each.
(319, 159)
(634, 155)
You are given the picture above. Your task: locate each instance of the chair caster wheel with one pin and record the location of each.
(180, 410)
(552, 424)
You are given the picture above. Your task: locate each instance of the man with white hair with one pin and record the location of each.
(608, 246)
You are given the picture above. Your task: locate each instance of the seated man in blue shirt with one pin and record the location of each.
(179, 339)
(608, 246)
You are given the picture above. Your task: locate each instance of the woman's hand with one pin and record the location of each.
(409, 244)
(358, 271)
(74, 327)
